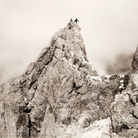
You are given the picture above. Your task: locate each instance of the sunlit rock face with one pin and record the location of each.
(61, 95)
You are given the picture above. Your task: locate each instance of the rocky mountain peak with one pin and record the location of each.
(60, 92)
(65, 46)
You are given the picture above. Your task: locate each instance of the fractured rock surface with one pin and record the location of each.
(61, 95)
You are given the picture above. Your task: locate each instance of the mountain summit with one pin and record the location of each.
(61, 95)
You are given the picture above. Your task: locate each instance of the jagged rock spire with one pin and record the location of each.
(47, 92)
(67, 44)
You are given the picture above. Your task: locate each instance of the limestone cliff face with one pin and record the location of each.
(61, 92)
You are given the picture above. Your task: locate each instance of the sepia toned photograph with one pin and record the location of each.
(68, 69)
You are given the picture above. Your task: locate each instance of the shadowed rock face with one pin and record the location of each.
(60, 92)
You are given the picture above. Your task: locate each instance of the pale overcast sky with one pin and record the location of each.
(109, 28)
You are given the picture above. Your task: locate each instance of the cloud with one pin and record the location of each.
(121, 64)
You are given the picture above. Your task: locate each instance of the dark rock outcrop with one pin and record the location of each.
(125, 106)
(61, 92)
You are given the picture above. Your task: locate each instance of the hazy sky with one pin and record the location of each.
(109, 28)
